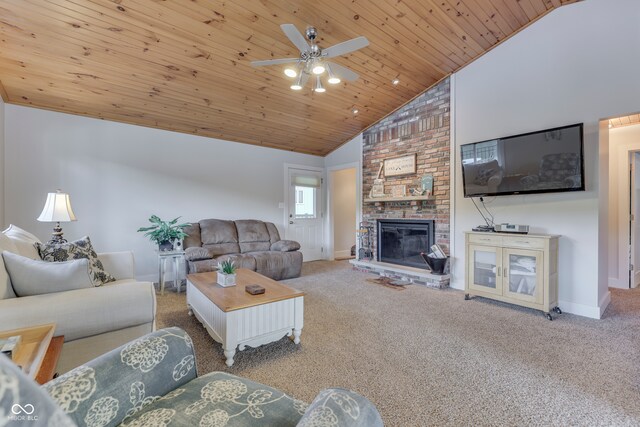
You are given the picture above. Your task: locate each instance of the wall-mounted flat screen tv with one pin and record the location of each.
(549, 160)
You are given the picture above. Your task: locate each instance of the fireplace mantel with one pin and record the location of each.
(398, 199)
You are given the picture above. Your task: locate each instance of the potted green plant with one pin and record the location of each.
(164, 233)
(226, 273)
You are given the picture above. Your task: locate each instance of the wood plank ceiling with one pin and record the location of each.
(632, 119)
(185, 65)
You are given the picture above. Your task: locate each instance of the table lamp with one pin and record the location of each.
(57, 209)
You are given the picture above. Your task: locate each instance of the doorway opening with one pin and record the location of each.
(624, 201)
(343, 211)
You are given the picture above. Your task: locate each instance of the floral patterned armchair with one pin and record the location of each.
(152, 381)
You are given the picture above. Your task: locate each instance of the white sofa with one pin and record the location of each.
(94, 320)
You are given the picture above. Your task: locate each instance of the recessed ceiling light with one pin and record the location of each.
(354, 111)
(395, 81)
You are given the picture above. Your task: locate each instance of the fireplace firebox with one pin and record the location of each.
(401, 241)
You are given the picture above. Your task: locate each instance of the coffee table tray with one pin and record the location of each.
(33, 346)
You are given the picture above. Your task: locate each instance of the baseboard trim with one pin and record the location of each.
(604, 303)
(617, 283)
(580, 309)
(342, 254)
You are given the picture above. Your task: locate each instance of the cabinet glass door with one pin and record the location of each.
(523, 275)
(484, 269)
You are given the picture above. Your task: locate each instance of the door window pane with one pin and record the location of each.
(305, 202)
(522, 274)
(484, 269)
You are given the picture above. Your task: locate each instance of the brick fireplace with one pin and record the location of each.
(421, 127)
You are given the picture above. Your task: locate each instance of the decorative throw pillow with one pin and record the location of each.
(56, 252)
(24, 241)
(35, 277)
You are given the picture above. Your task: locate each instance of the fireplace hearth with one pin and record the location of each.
(401, 241)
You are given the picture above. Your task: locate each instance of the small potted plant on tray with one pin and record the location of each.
(227, 273)
(164, 233)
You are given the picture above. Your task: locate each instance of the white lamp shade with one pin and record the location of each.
(57, 208)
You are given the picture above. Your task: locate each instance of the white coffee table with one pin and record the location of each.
(237, 319)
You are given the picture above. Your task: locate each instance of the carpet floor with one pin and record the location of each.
(427, 357)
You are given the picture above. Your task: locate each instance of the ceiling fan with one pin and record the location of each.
(313, 59)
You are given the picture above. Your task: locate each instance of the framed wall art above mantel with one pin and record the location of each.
(398, 166)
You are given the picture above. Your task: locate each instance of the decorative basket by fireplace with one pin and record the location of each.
(365, 234)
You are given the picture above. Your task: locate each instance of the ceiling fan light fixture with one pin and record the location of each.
(290, 72)
(318, 68)
(298, 84)
(318, 86)
(333, 79)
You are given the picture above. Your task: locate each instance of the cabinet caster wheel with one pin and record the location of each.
(466, 297)
(557, 310)
(549, 316)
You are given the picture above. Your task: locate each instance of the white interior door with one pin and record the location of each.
(634, 274)
(304, 212)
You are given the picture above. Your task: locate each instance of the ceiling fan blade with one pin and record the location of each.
(274, 61)
(343, 72)
(345, 47)
(295, 36)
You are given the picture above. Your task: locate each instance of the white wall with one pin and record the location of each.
(343, 195)
(571, 66)
(119, 174)
(347, 153)
(621, 141)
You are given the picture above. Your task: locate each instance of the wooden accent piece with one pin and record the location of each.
(234, 297)
(397, 199)
(185, 66)
(33, 347)
(48, 367)
(3, 93)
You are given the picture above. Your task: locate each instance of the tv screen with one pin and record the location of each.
(538, 162)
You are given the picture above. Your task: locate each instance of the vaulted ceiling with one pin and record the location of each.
(185, 65)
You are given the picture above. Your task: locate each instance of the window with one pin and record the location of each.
(305, 202)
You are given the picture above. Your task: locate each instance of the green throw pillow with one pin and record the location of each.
(56, 252)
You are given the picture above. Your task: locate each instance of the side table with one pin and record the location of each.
(163, 256)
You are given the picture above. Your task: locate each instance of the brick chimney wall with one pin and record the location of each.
(420, 127)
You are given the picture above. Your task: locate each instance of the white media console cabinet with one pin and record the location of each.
(514, 268)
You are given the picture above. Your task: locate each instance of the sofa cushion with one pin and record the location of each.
(240, 260)
(6, 290)
(274, 235)
(193, 238)
(219, 235)
(33, 277)
(196, 253)
(84, 312)
(82, 248)
(21, 393)
(24, 241)
(278, 265)
(202, 265)
(221, 399)
(285, 246)
(253, 235)
(339, 407)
